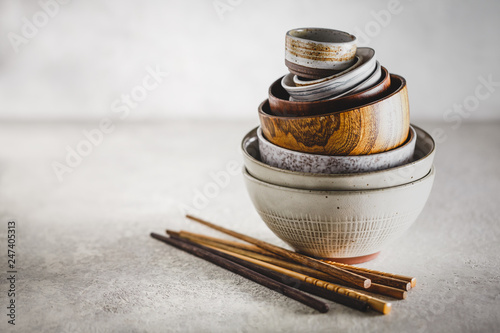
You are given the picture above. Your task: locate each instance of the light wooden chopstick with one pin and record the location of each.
(411, 280)
(377, 277)
(375, 303)
(374, 288)
(332, 270)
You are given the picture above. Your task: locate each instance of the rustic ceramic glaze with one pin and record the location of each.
(420, 165)
(303, 162)
(339, 224)
(335, 85)
(318, 52)
(280, 105)
(372, 128)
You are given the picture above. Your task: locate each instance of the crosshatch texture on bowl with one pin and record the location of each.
(339, 224)
(323, 237)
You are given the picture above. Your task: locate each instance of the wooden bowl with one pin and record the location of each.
(281, 105)
(372, 128)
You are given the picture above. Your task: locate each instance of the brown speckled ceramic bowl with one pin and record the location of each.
(280, 104)
(302, 162)
(318, 52)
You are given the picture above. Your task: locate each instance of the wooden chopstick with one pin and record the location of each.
(245, 272)
(375, 303)
(412, 280)
(213, 240)
(382, 278)
(385, 280)
(335, 271)
(292, 282)
(374, 288)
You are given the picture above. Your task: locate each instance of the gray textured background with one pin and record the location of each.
(85, 259)
(87, 263)
(93, 51)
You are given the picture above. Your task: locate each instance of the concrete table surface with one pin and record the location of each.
(86, 262)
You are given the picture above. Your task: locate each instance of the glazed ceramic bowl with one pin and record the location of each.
(280, 105)
(303, 162)
(336, 85)
(372, 128)
(423, 158)
(350, 226)
(318, 52)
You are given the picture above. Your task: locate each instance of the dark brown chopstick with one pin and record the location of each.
(245, 272)
(335, 271)
(295, 283)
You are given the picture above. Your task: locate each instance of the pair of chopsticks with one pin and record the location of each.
(279, 269)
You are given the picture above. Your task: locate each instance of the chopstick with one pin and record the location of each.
(292, 282)
(332, 270)
(411, 280)
(378, 278)
(245, 272)
(375, 303)
(374, 288)
(213, 240)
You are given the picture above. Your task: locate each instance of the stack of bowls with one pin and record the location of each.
(335, 168)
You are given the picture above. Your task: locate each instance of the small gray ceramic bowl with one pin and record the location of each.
(418, 168)
(320, 48)
(303, 162)
(335, 85)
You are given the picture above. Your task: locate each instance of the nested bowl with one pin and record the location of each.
(280, 104)
(303, 162)
(420, 165)
(336, 85)
(372, 128)
(318, 52)
(339, 225)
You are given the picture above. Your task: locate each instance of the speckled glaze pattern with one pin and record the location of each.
(280, 104)
(339, 224)
(320, 48)
(296, 161)
(335, 85)
(420, 165)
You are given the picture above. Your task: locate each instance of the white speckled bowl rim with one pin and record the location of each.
(320, 181)
(341, 164)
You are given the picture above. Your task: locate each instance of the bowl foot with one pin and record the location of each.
(354, 260)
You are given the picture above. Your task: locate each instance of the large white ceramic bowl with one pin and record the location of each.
(422, 161)
(339, 225)
(287, 159)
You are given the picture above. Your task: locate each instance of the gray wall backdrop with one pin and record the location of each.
(73, 60)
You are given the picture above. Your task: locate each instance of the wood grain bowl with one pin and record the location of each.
(368, 129)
